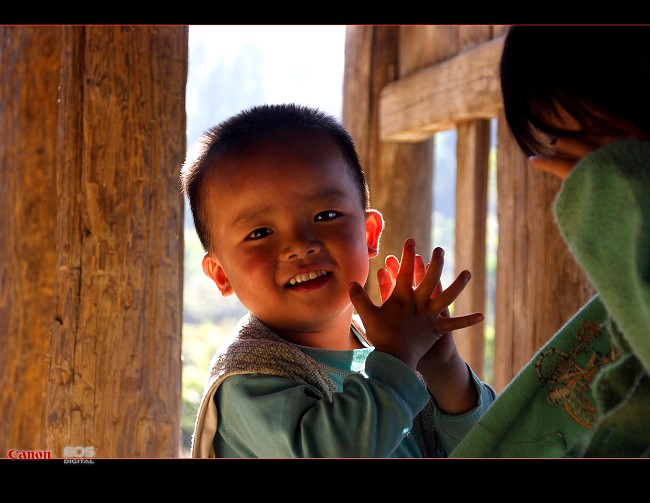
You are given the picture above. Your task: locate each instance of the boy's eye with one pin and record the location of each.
(326, 216)
(260, 233)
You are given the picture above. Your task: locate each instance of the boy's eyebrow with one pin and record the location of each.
(332, 196)
(249, 215)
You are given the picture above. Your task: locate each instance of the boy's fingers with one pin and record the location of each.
(405, 277)
(438, 289)
(385, 284)
(446, 297)
(420, 270)
(392, 264)
(360, 299)
(431, 277)
(445, 324)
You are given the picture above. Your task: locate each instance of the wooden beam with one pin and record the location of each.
(465, 87)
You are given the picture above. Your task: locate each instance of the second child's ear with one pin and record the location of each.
(213, 270)
(374, 226)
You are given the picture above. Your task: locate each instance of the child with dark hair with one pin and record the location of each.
(576, 99)
(281, 205)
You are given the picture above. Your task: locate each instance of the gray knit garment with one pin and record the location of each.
(256, 349)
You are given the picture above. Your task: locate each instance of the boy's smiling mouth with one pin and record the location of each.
(308, 276)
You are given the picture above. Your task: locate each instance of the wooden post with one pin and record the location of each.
(115, 375)
(399, 174)
(473, 148)
(30, 60)
(92, 139)
(539, 285)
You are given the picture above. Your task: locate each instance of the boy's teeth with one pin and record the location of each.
(306, 277)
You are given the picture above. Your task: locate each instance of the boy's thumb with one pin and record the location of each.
(359, 298)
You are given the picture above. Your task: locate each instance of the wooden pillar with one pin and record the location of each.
(115, 374)
(92, 139)
(441, 43)
(30, 59)
(473, 148)
(539, 285)
(400, 183)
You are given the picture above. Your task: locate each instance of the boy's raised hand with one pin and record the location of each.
(445, 348)
(414, 313)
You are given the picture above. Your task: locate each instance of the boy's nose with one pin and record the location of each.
(300, 251)
(301, 246)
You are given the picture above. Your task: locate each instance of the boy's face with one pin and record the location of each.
(290, 233)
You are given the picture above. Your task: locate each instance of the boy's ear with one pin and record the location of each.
(374, 226)
(213, 270)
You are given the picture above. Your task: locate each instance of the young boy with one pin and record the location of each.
(281, 206)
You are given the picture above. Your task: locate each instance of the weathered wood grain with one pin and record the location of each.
(30, 62)
(433, 99)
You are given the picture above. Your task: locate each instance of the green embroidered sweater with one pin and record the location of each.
(586, 393)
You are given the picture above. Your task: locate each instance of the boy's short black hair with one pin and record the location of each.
(577, 68)
(245, 131)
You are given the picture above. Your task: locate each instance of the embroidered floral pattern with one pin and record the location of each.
(570, 374)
